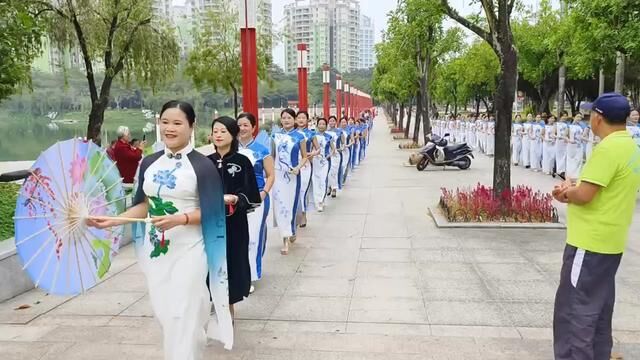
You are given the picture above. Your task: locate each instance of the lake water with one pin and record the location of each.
(20, 141)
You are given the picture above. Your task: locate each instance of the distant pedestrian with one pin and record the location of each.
(600, 210)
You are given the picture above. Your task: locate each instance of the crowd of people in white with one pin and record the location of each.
(542, 144)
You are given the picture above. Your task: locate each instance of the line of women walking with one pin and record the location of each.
(204, 236)
(313, 165)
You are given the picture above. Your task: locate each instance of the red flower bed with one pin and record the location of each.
(479, 204)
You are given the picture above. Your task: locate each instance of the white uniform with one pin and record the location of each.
(526, 144)
(491, 139)
(562, 133)
(574, 152)
(516, 142)
(535, 147)
(549, 149)
(590, 144)
(472, 134)
(634, 130)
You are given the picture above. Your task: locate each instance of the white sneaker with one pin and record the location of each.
(252, 289)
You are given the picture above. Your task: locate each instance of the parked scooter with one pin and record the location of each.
(437, 152)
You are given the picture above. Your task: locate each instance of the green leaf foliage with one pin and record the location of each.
(20, 44)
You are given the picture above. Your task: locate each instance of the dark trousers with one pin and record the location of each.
(584, 305)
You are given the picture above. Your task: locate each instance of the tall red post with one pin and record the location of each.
(338, 97)
(354, 102)
(347, 98)
(249, 57)
(326, 98)
(303, 64)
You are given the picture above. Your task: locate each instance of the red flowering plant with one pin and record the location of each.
(480, 204)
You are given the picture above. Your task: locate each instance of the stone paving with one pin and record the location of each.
(370, 278)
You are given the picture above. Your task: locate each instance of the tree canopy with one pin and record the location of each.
(123, 37)
(215, 60)
(20, 44)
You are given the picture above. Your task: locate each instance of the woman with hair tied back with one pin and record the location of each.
(263, 167)
(322, 164)
(306, 171)
(181, 191)
(290, 156)
(241, 196)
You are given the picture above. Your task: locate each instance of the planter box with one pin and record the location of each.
(442, 222)
(13, 281)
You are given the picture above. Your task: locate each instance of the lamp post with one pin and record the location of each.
(249, 56)
(326, 79)
(338, 97)
(302, 77)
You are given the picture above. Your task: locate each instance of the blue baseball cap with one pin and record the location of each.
(613, 106)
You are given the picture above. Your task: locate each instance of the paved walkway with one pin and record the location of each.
(371, 278)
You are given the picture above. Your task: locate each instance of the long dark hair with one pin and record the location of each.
(232, 128)
(249, 116)
(326, 123)
(305, 114)
(185, 107)
(288, 111)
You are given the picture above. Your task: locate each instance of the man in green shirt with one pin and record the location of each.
(600, 207)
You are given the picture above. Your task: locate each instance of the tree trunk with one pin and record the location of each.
(426, 101)
(401, 120)
(544, 105)
(446, 109)
(619, 81)
(408, 124)
(562, 77)
(96, 118)
(504, 107)
(235, 101)
(455, 105)
(419, 115)
(486, 104)
(477, 105)
(394, 116)
(601, 81)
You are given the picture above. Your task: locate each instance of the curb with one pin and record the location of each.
(442, 222)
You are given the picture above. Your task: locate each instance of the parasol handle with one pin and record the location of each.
(127, 219)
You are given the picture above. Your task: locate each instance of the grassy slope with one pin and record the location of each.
(8, 195)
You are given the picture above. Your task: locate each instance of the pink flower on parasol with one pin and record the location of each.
(78, 169)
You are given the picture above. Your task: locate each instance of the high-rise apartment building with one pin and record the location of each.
(194, 9)
(331, 28)
(366, 43)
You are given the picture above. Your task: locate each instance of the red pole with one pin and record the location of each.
(354, 102)
(338, 97)
(249, 58)
(303, 103)
(347, 103)
(326, 99)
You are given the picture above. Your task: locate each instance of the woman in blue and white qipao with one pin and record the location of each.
(290, 156)
(263, 166)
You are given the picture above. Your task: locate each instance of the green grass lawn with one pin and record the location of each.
(8, 196)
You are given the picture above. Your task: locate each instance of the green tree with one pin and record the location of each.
(20, 43)
(495, 29)
(121, 36)
(608, 29)
(215, 61)
(395, 76)
(540, 42)
(480, 72)
(451, 86)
